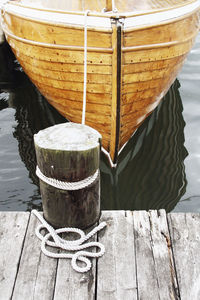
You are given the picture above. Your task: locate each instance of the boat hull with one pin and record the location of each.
(129, 68)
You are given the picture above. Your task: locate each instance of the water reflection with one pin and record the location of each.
(150, 173)
(33, 113)
(20, 117)
(190, 91)
(8, 67)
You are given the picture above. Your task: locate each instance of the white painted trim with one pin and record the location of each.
(159, 17)
(109, 158)
(146, 19)
(56, 17)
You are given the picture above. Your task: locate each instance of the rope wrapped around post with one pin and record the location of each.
(64, 185)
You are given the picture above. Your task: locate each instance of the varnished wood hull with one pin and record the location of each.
(130, 68)
(2, 38)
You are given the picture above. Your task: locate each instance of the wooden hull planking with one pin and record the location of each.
(129, 69)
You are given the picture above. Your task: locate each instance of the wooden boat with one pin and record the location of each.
(2, 38)
(134, 52)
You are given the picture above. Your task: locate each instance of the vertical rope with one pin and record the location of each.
(113, 5)
(114, 9)
(85, 68)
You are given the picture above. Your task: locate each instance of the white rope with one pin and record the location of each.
(85, 68)
(114, 9)
(74, 245)
(66, 185)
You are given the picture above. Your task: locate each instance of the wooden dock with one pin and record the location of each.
(149, 255)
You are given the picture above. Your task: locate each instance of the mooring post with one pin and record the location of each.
(68, 168)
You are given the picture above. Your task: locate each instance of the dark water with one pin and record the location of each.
(159, 167)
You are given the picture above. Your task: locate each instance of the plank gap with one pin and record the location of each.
(37, 273)
(54, 287)
(135, 254)
(18, 265)
(152, 251)
(96, 271)
(173, 262)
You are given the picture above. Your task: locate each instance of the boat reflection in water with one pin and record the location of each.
(8, 74)
(32, 114)
(150, 173)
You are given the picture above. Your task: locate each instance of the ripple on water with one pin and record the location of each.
(15, 186)
(151, 174)
(190, 94)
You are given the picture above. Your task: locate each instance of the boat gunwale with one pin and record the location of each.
(102, 30)
(169, 21)
(56, 46)
(96, 49)
(105, 14)
(67, 25)
(159, 45)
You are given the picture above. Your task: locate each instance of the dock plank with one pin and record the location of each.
(185, 235)
(37, 272)
(116, 269)
(13, 226)
(146, 274)
(149, 255)
(163, 257)
(154, 260)
(71, 284)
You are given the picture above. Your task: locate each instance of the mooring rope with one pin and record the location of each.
(74, 245)
(85, 68)
(66, 185)
(77, 245)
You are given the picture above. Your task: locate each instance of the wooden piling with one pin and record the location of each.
(69, 152)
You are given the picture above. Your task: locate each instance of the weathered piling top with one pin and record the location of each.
(149, 255)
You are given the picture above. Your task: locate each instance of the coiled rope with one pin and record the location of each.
(74, 245)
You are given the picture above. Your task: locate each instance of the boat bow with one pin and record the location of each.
(132, 57)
